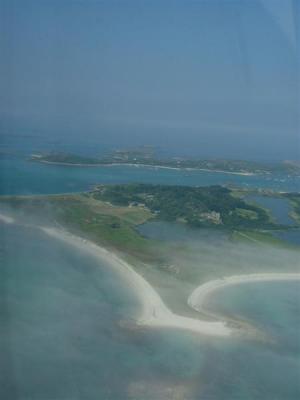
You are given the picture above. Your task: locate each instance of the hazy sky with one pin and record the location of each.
(210, 77)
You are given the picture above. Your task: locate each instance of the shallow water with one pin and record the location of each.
(273, 307)
(176, 232)
(61, 336)
(66, 319)
(291, 236)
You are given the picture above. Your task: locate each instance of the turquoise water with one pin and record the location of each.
(19, 176)
(62, 335)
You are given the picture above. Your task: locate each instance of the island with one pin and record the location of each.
(146, 157)
(107, 222)
(110, 214)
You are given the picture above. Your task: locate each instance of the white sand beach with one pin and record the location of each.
(154, 312)
(153, 166)
(140, 165)
(201, 294)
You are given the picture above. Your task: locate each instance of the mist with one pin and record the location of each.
(71, 317)
(210, 78)
(207, 79)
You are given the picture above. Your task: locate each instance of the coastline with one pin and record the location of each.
(66, 164)
(154, 313)
(145, 165)
(200, 295)
(182, 168)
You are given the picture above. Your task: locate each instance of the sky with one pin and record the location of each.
(208, 78)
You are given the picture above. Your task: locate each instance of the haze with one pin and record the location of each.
(204, 78)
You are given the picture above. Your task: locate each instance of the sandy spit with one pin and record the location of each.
(154, 312)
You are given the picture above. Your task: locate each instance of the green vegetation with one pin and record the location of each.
(113, 227)
(294, 199)
(196, 206)
(109, 214)
(248, 214)
(146, 156)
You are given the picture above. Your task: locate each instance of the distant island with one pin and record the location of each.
(146, 157)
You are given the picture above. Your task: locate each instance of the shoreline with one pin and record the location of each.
(154, 312)
(145, 165)
(200, 295)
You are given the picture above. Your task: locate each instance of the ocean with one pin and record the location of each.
(67, 333)
(66, 318)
